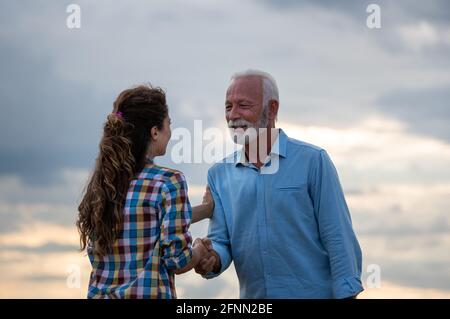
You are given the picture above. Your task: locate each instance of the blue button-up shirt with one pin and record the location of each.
(288, 230)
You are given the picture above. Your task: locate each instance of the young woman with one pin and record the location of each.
(135, 215)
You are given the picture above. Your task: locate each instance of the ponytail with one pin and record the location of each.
(122, 154)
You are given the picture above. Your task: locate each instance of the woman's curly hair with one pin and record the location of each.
(122, 155)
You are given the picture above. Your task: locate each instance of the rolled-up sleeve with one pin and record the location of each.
(175, 238)
(335, 228)
(218, 231)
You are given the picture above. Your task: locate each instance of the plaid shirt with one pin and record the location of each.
(154, 241)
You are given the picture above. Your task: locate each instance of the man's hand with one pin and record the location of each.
(211, 262)
(201, 250)
(205, 209)
(208, 201)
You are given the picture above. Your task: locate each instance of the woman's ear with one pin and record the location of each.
(154, 133)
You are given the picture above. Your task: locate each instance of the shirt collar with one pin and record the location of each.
(278, 148)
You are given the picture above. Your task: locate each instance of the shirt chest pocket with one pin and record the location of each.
(289, 187)
(293, 200)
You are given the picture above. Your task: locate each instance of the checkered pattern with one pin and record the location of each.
(154, 241)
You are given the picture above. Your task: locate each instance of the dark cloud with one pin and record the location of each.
(404, 231)
(42, 249)
(47, 122)
(10, 223)
(11, 220)
(394, 14)
(349, 7)
(426, 111)
(51, 119)
(412, 273)
(56, 90)
(399, 11)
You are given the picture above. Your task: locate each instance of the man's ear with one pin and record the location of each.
(154, 133)
(273, 109)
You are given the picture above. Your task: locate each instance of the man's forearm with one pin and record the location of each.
(201, 212)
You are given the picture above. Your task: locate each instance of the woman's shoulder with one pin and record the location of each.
(161, 173)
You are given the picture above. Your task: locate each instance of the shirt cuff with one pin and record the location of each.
(347, 287)
(180, 261)
(225, 260)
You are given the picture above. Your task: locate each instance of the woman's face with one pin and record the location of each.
(160, 138)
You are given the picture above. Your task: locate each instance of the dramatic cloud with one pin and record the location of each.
(426, 111)
(376, 100)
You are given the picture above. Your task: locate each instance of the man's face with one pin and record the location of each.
(244, 101)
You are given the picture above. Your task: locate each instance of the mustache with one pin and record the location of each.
(239, 122)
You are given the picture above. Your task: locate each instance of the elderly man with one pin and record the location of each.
(288, 230)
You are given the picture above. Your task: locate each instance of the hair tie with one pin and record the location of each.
(119, 114)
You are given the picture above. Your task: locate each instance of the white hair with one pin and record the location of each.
(270, 88)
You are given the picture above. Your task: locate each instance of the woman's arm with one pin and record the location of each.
(205, 209)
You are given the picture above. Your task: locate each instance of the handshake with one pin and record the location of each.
(208, 260)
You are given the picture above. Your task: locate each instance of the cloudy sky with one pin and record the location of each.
(376, 99)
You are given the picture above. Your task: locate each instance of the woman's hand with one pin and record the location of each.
(200, 251)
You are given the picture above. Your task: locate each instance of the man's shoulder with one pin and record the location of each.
(224, 162)
(304, 147)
